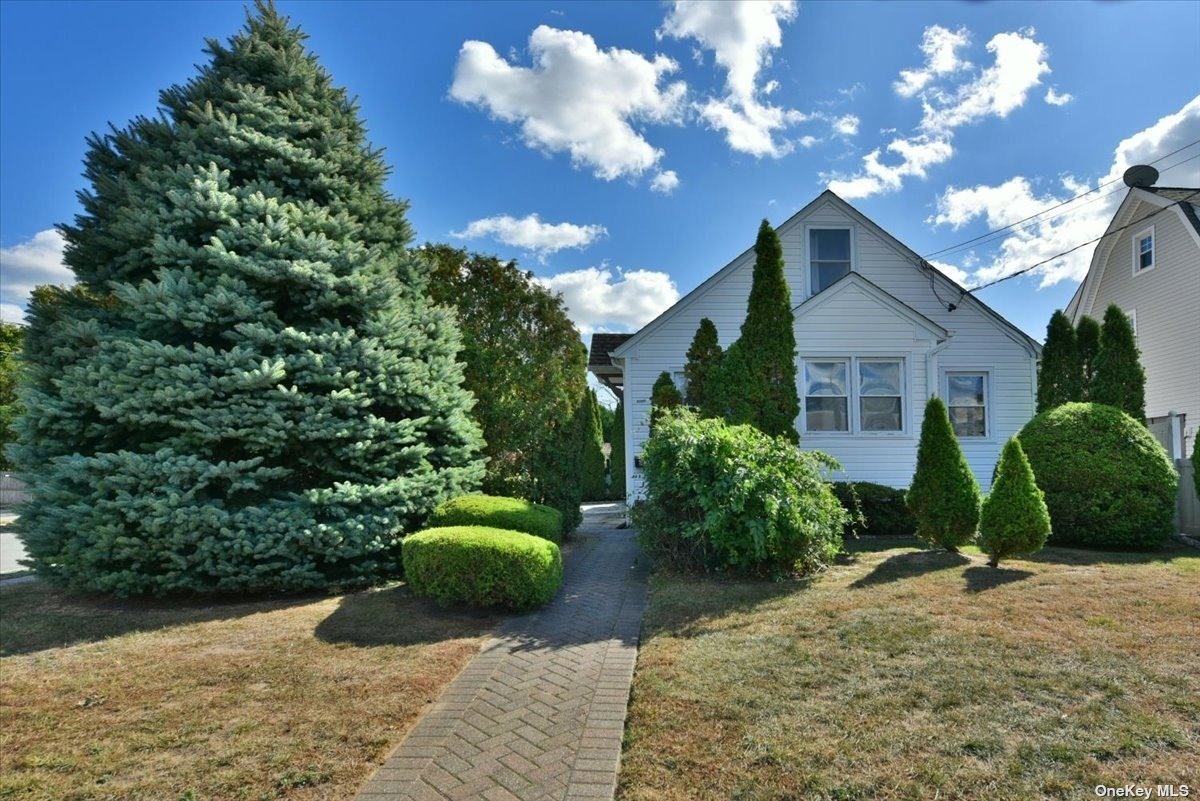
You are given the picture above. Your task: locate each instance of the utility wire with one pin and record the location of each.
(1052, 208)
(1031, 267)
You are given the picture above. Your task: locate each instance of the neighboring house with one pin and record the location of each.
(878, 331)
(1150, 267)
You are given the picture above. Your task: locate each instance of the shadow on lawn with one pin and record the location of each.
(393, 616)
(910, 565)
(980, 578)
(37, 616)
(1066, 555)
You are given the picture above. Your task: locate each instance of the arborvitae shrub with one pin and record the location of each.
(1060, 374)
(616, 460)
(483, 567)
(510, 513)
(724, 497)
(1087, 340)
(594, 487)
(1014, 519)
(1108, 481)
(944, 496)
(250, 389)
(703, 356)
(1120, 380)
(664, 395)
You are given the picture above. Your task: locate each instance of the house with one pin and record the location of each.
(878, 331)
(1148, 264)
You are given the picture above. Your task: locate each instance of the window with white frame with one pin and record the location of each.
(680, 380)
(1143, 250)
(828, 256)
(966, 401)
(853, 394)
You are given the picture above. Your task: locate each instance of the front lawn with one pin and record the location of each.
(917, 674)
(296, 698)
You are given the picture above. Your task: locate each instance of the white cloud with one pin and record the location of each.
(1074, 223)
(940, 46)
(576, 98)
(29, 264)
(598, 297)
(996, 91)
(1055, 99)
(665, 182)
(954, 273)
(532, 234)
(742, 34)
(846, 125)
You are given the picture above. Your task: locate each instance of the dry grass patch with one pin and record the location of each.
(294, 698)
(909, 674)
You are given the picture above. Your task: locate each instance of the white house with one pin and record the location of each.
(1148, 264)
(878, 331)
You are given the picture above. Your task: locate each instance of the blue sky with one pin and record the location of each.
(650, 138)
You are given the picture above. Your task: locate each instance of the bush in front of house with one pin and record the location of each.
(482, 566)
(1108, 481)
(497, 512)
(944, 496)
(875, 509)
(1014, 519)
(731, 498)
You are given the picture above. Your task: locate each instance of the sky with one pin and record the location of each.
(626, 151)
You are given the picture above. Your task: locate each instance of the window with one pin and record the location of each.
(879, 399)
(679, 378)
(966, 400)
(828, 256)
(853, 394)
(1143, 251)
(826, 396)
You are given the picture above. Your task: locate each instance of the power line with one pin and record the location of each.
(1031, 267)
(1052, 208)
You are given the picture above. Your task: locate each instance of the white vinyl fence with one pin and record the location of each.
(1187, 505)
(12, 491)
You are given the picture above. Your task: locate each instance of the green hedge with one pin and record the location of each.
(875, 509)
(724, 497)
(482, 566)
(1108, 481)
(508, 513)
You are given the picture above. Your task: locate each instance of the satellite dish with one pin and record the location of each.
(1140, 175)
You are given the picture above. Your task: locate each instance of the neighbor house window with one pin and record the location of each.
(880, 401)
(966, 400)
(679, 378)
(826, 396)
(853, 394)
(1143, 251)
(828, 256)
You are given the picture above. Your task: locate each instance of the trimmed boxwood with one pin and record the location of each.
(482, 566)
(1108, 481)
(875, 509)
(498, 512)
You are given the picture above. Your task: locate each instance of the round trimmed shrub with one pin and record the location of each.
(498, 512)
(482, 566)
(875, 509)
(1108, 481)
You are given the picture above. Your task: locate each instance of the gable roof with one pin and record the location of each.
(1163, 198)
(883, 297)
(907, 253)
(602, 346)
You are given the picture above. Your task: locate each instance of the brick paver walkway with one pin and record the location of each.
(540, 712)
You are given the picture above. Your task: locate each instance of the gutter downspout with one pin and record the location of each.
(931, 376)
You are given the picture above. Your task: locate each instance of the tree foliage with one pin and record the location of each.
(594, 486)
(616, 459)
(756, 380)
(250, 390)
(944, 495)
(703, 356)
(1087, 340)
(1014, 519)
(523, 361)
(1060, 374)
(1120, 380)
(10, 407)
(663, 395)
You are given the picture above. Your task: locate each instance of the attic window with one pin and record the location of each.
(828, 256)
(1143, 251)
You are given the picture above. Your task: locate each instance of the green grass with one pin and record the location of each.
(906, 674)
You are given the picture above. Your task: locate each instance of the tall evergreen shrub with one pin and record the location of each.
(944, 495)
(1060, 374)
(616, 459)
(1120, 379)
(594, 488)
(251, 390)
(663, 395)
(703, 355)
(1014, 519)
(1087, 340)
